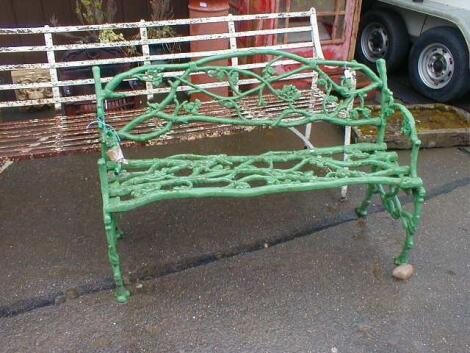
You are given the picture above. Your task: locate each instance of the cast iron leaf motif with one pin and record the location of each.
(268, 72)
(289, 93)
(331, 99)
(354, 114)
(233, 78)
(364, 112)
(219, 74)
(192, 107)
(406, 127)
(154, 76)
(321, 82)
(240, 185)
(228, 104)
(388, 112)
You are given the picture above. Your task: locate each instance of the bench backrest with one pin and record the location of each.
(340, 102)
(234, 33)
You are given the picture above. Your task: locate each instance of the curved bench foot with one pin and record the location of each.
(122, 295)
(402, 259)
(361, 211)
(403, 272)
(410, 222)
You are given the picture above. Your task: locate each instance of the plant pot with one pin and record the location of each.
(158, 49)
(438, 125)
(85, 72)
(208, 8)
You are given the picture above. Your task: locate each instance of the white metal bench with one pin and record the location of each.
(65, 134)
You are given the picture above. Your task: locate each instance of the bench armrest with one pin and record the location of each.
(108, 136)
(409, 130)
(389, 107)
(100, 111)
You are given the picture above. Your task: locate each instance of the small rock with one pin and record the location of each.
(154, 330)
(60, 299)
(71, 293)
(403, 272)
(363, 328)
(139, 287)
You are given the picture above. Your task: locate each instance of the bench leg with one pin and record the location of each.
(391, 202)
(122, 294)
(361, 211)
(119, 232)
(410, 223)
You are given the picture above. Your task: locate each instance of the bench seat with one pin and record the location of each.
(140, 182)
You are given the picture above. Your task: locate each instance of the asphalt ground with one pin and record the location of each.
(400, 85)
(287, 273)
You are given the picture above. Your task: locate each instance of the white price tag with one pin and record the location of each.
(115, 154)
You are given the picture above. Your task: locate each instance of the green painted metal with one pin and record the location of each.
(129, 184)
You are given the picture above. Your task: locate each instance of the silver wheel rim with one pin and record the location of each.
(436, 66)
(374, 41)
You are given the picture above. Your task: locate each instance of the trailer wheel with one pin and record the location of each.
(382, 35)
(439, 64)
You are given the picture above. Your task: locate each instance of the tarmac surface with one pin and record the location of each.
(287, 273)
(400, 85)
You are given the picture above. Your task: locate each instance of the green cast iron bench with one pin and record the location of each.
(268, 99)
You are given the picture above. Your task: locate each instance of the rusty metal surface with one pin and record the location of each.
(67, 134)
(60, 135)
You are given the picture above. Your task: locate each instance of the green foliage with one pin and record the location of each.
(160, 10)
(95, 12)
(161, 32)
(109, 36)
(164, 32)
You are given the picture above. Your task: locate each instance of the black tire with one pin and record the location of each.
(456, 84)
(391, 30)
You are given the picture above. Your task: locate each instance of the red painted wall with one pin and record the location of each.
(337, 51)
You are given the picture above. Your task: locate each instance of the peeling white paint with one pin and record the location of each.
(4, 165)
(52, 49)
